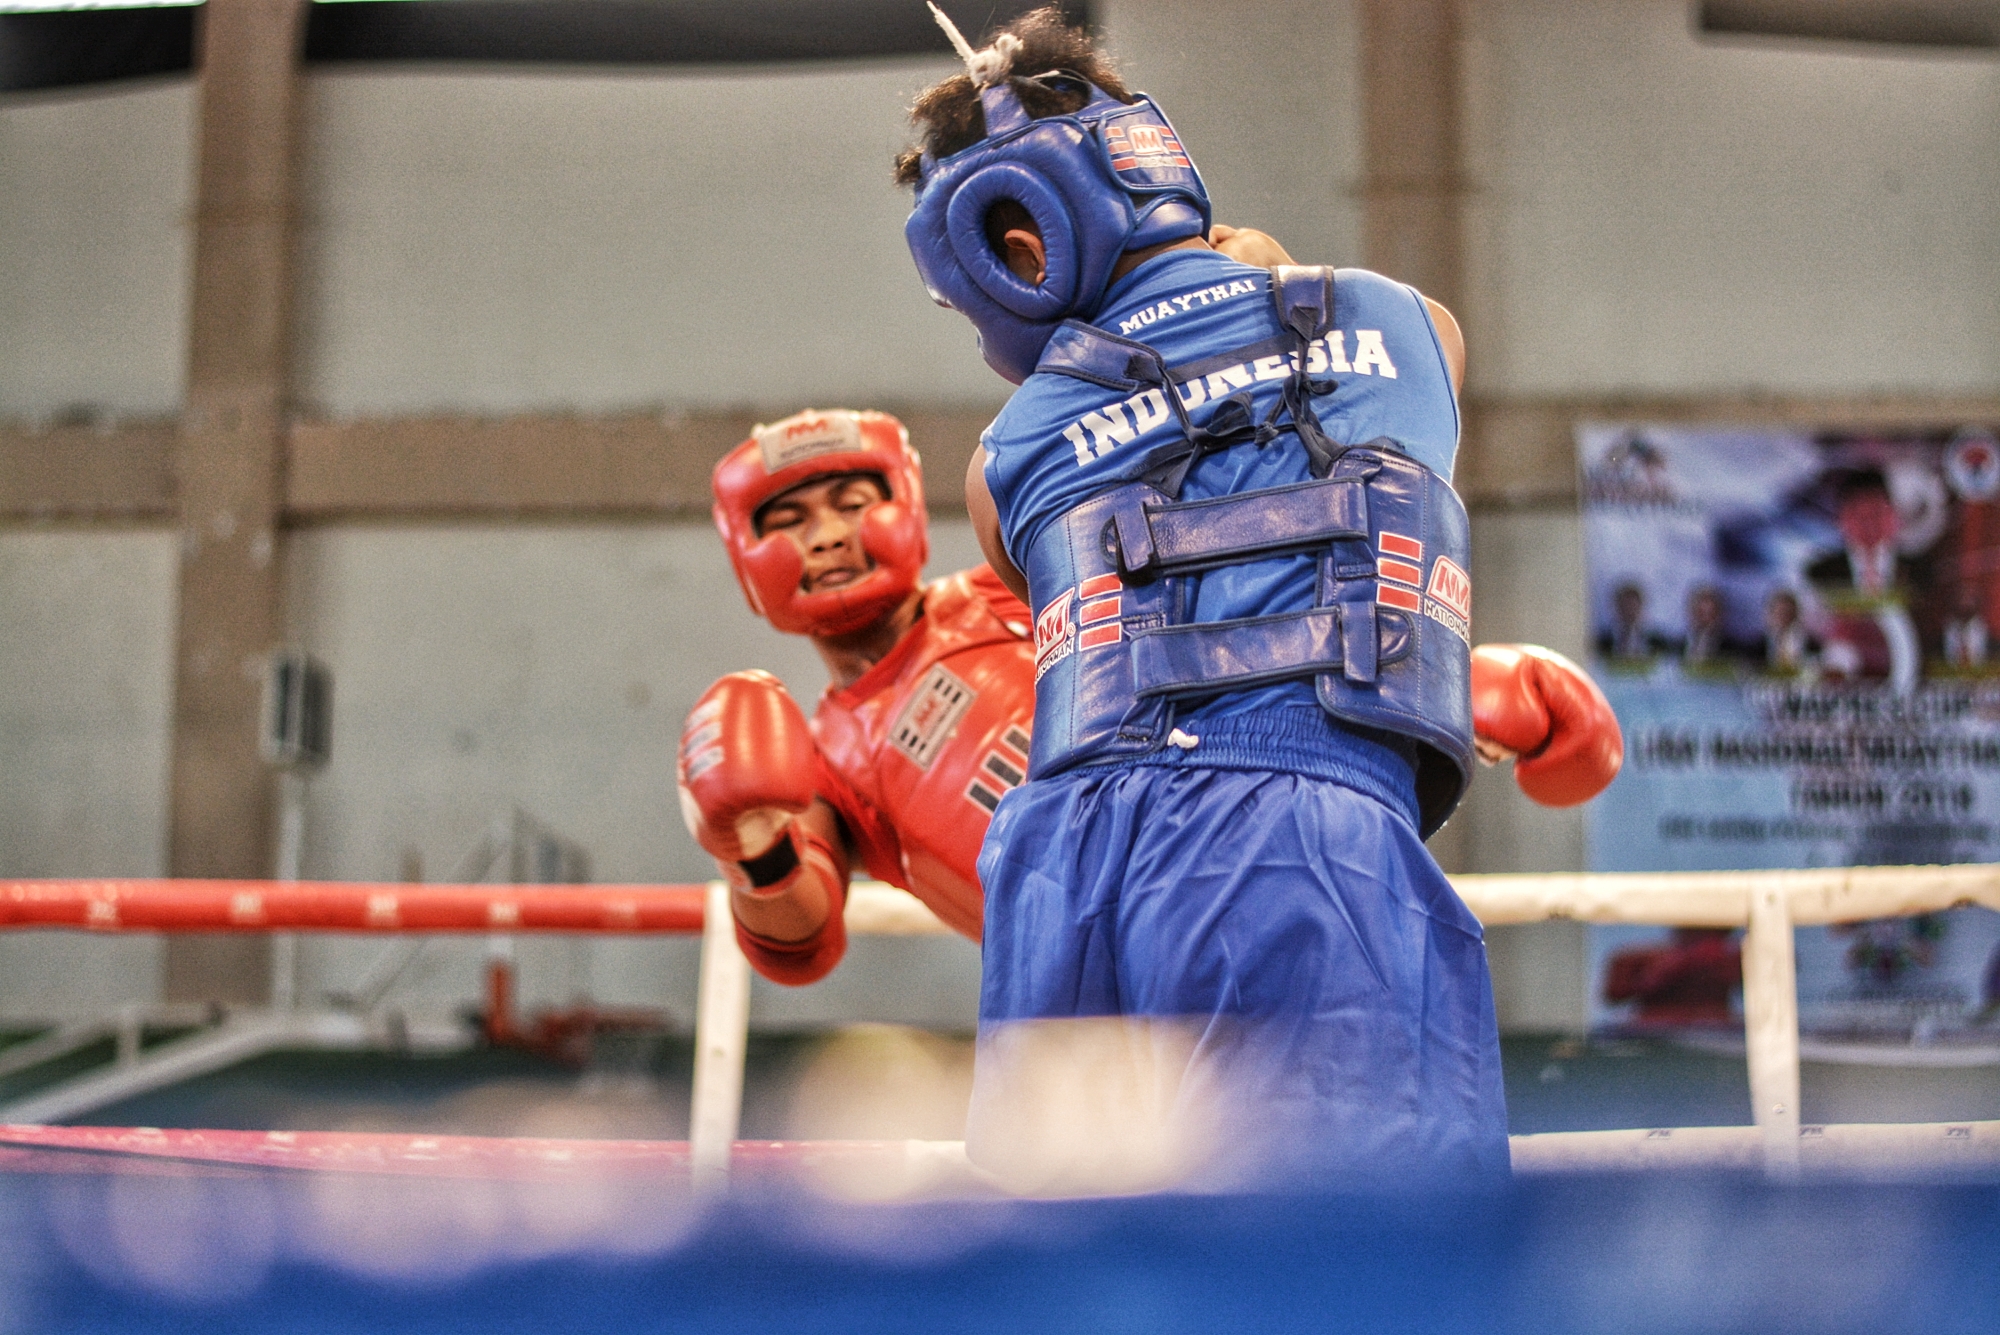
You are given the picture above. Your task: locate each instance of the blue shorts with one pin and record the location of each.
(1336, 984)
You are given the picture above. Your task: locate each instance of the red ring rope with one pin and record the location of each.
(145, 1148)
(347, 906)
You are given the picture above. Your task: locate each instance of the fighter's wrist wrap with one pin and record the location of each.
(773, 865)
(795, 963)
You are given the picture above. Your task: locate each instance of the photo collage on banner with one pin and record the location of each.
(1800, 633)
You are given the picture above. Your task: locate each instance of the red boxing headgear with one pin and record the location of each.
(801, 448)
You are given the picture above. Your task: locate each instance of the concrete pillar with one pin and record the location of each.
(1412, 181)
(229, 464)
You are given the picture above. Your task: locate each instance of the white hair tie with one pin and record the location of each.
(987, 67)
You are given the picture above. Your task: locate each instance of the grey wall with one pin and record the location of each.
(1652, 212)
(94, 195)
(1264, 95)
(86, 646)
(496, 242)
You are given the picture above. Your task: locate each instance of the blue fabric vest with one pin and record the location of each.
(1385, 641)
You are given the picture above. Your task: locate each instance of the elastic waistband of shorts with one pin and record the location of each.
(1298, 740)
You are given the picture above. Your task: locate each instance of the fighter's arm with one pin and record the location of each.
(1451, 340)
(746, 780)
(986, 524)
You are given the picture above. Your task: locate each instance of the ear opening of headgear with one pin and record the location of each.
(965, 223)
(1107, 178)
(804, 448)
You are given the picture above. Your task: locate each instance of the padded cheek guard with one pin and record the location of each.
(1109, 178)
(893, 534)
(770, 571)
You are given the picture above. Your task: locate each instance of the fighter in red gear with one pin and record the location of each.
(926, 722)
(923, 726)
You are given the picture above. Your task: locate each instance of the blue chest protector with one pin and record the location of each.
(1385, 641)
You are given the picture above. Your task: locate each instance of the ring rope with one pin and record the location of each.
(1927, 1148)
(1680, 899)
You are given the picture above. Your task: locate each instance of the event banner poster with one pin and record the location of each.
(1797, 631)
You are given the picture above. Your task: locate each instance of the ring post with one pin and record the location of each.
(1771, 1024)
(721, 1038)
(291, 854)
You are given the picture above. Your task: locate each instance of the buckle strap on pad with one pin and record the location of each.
(1303, 295)
(1360, 641)
(1160, 539)
(1214, 656)
(1085, 352)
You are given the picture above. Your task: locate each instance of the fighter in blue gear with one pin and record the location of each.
(1223, 490)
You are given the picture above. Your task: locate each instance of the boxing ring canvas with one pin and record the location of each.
(1795, 629)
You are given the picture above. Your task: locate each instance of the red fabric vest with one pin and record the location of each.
(916, 754)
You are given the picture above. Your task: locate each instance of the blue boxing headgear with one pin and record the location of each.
(1102, 180)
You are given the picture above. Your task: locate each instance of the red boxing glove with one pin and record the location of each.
(1546, 711)
(746, 766)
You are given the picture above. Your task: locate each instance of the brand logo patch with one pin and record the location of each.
(806, 438)
(699, 750)
(1451, 586)
(1055, 633)
(1402, 572)
(1142, 147)
(928, 717)
(1448, 600)
(1391, 595)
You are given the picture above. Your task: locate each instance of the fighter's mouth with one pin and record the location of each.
(839, 578)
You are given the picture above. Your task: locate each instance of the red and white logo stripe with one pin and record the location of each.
(1102, 599)
(1399, 572)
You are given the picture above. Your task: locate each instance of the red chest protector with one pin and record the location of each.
(916, 754)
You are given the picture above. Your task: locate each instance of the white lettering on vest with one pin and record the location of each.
(1228, 378)
(1336, 351)
(1108, 429)
(1186, 301)
(1098, 433)
(1073, 433)
(1368, 351)
(1149, 409)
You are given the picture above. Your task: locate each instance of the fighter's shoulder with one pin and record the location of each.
(1366, 287)
(969, 602)
(985, 590)
(1044, 398)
